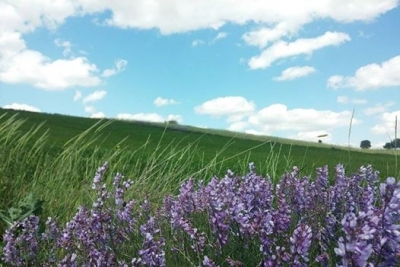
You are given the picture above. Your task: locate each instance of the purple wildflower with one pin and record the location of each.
(207, 262)
(22, 244)
(301, 243)
(152, 252)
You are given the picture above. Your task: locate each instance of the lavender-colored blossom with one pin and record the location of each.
(354, 222)
(390, 240)
(207, 262)
(22, 244)
(152, 253)
(99, 175)
(300, 244)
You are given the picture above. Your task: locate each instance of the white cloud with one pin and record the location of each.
(220, 36)
(19, 64)
(93, 113)
(169, 16)
(378, 108)
(159, 101)
(238, 126)
(294, 73)
(98, 115)
(77, 96)
(173, 16)
(119, 66)
(262, 37)
(90, 109)
(372, 76)
(172, 117)
(387, 123)
(197, 42)
(254, 132)
(283, 49)
(345, 99)
(25, 16)
(342, 99)
(278, 118)
(95, 96)
(359, 101)
(66, 45)
(33, 68)
(25, 107)
(230, 105)
(299, 123)
(150, 117)
(312, 136)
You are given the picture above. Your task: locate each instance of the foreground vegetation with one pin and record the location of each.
(233, 221)
(46, 170)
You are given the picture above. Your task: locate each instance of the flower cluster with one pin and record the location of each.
(230, 221)
(96, 236)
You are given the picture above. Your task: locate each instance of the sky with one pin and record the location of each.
(288, 68)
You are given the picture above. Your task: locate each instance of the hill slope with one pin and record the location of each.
(230, 147)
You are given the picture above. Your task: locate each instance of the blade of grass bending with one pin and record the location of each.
(349, 134)
(395, 145)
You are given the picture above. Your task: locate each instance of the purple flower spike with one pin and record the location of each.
(22, 244)
(207, 262)
(99, 175)
(301, 243)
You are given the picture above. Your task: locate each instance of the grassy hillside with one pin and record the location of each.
(229, 147)
(47, 162)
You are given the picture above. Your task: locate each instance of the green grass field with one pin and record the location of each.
(54, 158)
(73, 147)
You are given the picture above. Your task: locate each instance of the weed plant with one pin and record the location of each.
(232, 221)
(181, 222)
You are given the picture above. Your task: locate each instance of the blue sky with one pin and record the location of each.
(288, 68)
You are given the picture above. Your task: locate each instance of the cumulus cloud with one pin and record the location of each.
(172, 117)
(387, 123)
(378, 108)
(22, 65)
(238, 126)
(220, 36)
(372, 76)
(197, 42)
(93, 113)
(264, 36)
(119, 66)
(25, 107)
(150, 117)
(95, 96)
(33, 68)
(90, 109)
(282, 49)
(278, 117)
(159, 102)
(342, 99)
(294, 73)
(359, 101)
(98, 115)
(19, 64)
(299, 123)
(312, 136)
(229, 105)
(77, 96)
(174, 16)
(66, 45)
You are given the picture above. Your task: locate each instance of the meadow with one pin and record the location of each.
(271, 211)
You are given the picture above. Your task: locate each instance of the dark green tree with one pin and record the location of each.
(365, 144)
(393, 144)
